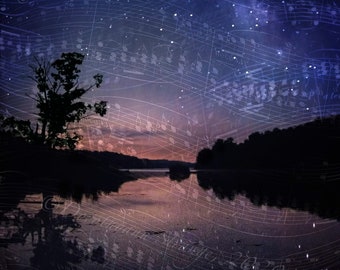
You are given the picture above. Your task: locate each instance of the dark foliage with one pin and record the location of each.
(71, 174)
(296, 167)
(298, 148)
(58, 101)
(178, 172)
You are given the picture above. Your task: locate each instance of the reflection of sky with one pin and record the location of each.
(156, 223)
(179, 74)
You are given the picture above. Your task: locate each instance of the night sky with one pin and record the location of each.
(179, 74)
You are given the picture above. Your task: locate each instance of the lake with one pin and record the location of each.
(156, 223)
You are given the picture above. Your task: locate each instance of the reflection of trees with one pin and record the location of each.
(179, 172)
(47, 234)
(52, 251)
(76, 186)
(70, 174)
(316, 197)
(297, 167)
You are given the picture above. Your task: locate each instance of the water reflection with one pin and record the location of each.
(151, 222)
(46, 233)
(261, 188)
(52, 250)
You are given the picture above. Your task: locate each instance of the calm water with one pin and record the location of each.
(155, 223)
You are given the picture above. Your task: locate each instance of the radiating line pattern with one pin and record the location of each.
(179, 74)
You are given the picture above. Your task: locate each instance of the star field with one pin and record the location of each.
(179, 74)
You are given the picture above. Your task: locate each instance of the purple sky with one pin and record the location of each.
(179, 74)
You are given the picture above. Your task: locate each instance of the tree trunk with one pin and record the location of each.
(43, 131)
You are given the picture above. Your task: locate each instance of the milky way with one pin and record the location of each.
(179, 74)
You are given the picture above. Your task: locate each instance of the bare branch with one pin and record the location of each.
(27, 95)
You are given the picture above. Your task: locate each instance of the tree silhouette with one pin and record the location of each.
(179, 172)
(58, 102)
(305, 147)
(204, 158)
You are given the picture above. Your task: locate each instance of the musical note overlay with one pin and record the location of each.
(257, 66)
(177, 76)
(153, 222)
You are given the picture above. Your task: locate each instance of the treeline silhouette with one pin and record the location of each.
(296, 167)
(31, 169)
(70, 174)
(302, 147)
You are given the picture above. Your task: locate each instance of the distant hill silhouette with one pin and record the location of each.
(34, 160)
(70, 174)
